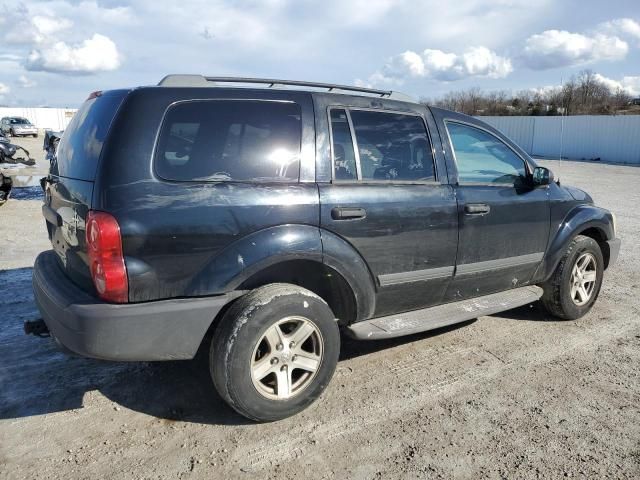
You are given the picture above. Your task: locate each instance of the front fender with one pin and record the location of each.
(252, 253)
(577, 220)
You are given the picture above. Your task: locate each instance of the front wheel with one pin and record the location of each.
(274, 352)
(574, 286)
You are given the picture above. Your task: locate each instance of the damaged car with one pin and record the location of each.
(8, 151)
(6, 183)
(50, 144)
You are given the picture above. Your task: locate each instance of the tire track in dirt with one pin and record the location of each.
(457, 368)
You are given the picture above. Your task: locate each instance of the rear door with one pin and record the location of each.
(388, 197)
(70, 183)
(504, 222)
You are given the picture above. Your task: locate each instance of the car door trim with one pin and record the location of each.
(415, 276)
(500, 263)
(463, 269)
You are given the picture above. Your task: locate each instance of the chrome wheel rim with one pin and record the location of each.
(286, 358)
(583, 279)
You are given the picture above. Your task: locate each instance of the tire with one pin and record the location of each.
(559, 297)
(35, 135)
(12, 133)
(253, 354)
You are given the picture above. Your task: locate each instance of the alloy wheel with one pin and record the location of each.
(286, 358)
(583, 279)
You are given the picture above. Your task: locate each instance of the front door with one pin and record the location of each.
(386, 199)
(504, 222)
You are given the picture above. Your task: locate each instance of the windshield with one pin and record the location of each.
(19, 121)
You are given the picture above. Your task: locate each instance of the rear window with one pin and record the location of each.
(81, 144)
(232, 140)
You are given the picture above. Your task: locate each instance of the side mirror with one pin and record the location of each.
(542, 176)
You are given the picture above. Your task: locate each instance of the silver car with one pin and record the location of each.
(17, 127)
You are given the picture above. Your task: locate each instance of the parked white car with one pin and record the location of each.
(17, 127)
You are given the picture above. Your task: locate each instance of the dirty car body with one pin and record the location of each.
(398, 216)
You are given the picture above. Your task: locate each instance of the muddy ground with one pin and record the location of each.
(514, 395)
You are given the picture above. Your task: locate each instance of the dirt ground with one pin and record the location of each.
(513, 395)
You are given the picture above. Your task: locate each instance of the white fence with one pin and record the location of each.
(44, 118)
(613, 139)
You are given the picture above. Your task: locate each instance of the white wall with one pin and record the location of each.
(613, 139)
(51, 118)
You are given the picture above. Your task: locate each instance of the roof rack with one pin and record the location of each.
(203, 81)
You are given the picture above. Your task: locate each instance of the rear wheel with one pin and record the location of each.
(574, 286)
(274, 352)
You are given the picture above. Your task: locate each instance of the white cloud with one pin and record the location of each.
(628, 84)
(622, 27)
(560, 48)
(49, 25)
(546, 90)
(26, 82)
(95, 54)
(4, 89)
(443, 66)
(43, 37)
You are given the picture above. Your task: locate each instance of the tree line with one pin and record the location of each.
(582, 94)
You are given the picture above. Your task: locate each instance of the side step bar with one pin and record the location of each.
(443, 315)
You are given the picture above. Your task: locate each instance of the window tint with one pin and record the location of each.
(344, 158)
(231, 140)
(483, 158)
(392, 146)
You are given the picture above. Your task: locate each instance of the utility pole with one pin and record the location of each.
(562, 118)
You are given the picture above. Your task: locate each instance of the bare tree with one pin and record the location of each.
(583, 94)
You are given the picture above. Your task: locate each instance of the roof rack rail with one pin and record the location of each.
(204, 81)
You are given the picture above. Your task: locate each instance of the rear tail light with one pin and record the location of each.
(106, 260)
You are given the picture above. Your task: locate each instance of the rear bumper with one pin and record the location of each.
(614, 250)
(161, 330)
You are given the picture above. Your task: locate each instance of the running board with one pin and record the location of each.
(443, 315)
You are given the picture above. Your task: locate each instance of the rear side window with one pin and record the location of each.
(233, 140)
(390, 147)
(344, 158)
(82, 142)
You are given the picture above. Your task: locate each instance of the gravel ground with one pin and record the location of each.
(513, 395)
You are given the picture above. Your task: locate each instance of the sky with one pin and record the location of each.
(55, 53)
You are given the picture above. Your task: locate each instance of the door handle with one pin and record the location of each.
(477, 209)
(348, 213)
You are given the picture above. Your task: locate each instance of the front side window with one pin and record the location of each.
(241, 140)
(482, 157)
(392, 146)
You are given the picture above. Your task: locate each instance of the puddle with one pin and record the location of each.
(26, 187)
(27, 193)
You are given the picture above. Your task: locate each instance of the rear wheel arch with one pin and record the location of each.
(321, 279)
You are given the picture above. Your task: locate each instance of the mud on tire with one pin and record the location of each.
(256, 364)
(558, 298)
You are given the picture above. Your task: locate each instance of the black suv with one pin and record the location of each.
(257, 222)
